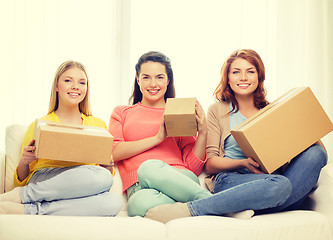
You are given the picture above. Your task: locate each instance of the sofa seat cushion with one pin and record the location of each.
(287, 226)
(32, 227)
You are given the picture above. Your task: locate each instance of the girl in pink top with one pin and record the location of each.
(156, 169)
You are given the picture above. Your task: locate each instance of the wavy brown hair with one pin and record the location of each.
(223, 91)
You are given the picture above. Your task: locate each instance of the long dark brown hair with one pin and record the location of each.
(153, 56)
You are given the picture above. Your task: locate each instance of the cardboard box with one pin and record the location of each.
(179, 117)
(283, 129)
(76, 143)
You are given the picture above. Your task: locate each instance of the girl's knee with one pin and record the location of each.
(114, 204)
(318, 154)
(280, 188)
(314, 157)
(149, 171)
(100, 177)
(138, 204)
(150, 166)
(143, 200)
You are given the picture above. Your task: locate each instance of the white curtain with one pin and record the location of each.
(38, 35)
(305, 50)
(293, 37)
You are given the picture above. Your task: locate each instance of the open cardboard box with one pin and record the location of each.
(75, 143)
(283, 129)
(179, 117)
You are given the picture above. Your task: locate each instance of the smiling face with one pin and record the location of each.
(153, 82)
(243, 77)
(72, 87)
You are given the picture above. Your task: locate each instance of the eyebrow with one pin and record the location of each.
(161, 74)
(246, 69)
(79, 79)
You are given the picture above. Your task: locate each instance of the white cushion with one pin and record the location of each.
(287, 226)
(32, 227)
(2, 172)
(14, 138)
(117, 187)
(322, 197)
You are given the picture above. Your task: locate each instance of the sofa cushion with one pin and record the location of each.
(13, 145)
(287, 226)
(32, 227)
(2, 171)
(322, 197)
(117, 187)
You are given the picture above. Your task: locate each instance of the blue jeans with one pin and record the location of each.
(71, 191)
(159, 183)
(264, 193)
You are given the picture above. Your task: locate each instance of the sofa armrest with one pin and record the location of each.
(2, 172)
(323, 195)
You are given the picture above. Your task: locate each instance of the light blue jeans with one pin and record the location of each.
(264, 193)
(160, 183)
(71, 191)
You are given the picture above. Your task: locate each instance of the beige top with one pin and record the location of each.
(218, 130)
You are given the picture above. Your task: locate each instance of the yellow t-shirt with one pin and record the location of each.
(46, 163)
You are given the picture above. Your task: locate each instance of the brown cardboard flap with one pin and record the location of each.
(59, 124)
(64, 127)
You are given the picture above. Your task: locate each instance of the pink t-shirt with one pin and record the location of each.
(132, 123)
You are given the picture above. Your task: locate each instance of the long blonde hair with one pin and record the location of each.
(84, 106)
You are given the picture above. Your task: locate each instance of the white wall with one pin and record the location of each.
(294, 38)
(198, 37)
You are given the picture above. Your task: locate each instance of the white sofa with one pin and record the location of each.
(316, 223)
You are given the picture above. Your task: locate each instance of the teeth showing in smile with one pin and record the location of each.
(74, 94)
(153, 91)
(243, 85)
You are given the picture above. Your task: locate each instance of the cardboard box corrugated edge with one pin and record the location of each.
(36, 136)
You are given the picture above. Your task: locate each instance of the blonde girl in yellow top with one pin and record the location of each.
(51, 187)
